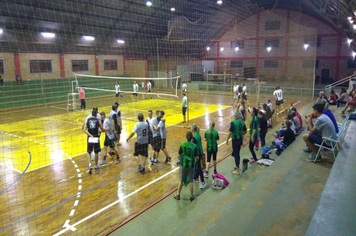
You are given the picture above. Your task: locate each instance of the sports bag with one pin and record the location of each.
(219, 181)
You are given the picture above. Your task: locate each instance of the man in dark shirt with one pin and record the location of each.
(288, 136)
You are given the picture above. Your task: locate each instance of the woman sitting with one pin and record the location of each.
(332, 97)
(350, 104)
(344, 97)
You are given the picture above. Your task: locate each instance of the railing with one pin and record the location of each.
(336, 83)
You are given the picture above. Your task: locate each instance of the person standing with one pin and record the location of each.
(278, 98)
(135, 89)
(211, 138)
(115, 120)
(18, 79)
(161, 127)
(141, 145)
(91, 128)
(149, 121)
(110, 139)
(263, 127)
(253, 133)
(117, 90)
(237, 130)
(198, 168)
(188, 151)
(184, 106)
(82, 97)
(156, 139)
(149, 86)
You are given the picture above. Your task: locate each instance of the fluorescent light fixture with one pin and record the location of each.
(349, 17)
(219, 2)
(306, 46)
(48, 35)
(349, 41)
(120, 41)
(149, 3)
(354, 27)
(269, 49)
(353, 54)
(237, 48)
(208, 48)
(173, 9)
(89, 38)
(221, 49)
(1, 31)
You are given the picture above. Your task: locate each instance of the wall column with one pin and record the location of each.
(218, 56)
(287, 45)
(257, 44)
(123, 63)
(61, 62)
(96, 65)
(337, 65)
(17, 63)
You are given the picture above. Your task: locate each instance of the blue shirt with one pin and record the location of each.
(332, 118)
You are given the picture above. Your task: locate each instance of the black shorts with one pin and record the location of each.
(209, 156)
(118, 94)
(150, 138)
(184, 109)
(156, 143)
(93, 147)
(109, 142)
(279, 102)
(135, 94)
(118, 129)
(163, 143)
(244, 97)
(141, 149)
(149, 90)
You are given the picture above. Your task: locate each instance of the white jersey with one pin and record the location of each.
(278, 94)
(135, 88)
(98, 117)
(149, 86)
(244, 88)
(270, 106)
(236, 88)
(142, 84)
(162, 129)
(109, 133)
(141, 130)
(117, 88)
(150, 123)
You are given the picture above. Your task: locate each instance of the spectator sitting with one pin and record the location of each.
(321, 99)
(344, 97)
(329, 114)
(296, 121)
(297, 114)
(350, 104)
(280, 133)
(18, 79)
(323, 127)
(287, 138)
(332, 97)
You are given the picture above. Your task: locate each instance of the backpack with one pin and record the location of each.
(219, 181)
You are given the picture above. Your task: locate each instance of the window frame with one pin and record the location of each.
(33, 59)
(270, 45)
(347, 64)
(71, 65)
(117, 64)
(242, 61)
(3, 64)
(266, 22)
(264, 64)
(239, 42)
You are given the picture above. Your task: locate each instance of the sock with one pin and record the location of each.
(89, 165)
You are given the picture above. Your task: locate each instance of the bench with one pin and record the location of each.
(334, 142)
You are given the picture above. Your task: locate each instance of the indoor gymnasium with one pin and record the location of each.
(177, 117)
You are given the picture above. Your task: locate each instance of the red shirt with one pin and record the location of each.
(300, 118)
(332, 98)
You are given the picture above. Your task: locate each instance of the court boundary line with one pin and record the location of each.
(18, 178)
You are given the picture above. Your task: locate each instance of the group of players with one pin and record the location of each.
(135, 88)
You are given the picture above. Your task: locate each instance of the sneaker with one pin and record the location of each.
(307, 150)
(97, 168)
(90, 170)
(169, 160)
(202, 185)
(176, 196)
(118, 159)
(143, 171)
(312, 158)
(236, 172)
(342, 112)
(206, 174)
(196, 180)
(191, 198)
(102, 162)
(256, 149)
(155, 161)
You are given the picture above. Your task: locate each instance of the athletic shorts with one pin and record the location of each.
(279, 102)
(156, 143)
(149, 90)
(141, 149)
(93, 147)
(109, 142)
(150, 138)
(117, 94)
(184, 109)
(118, 130)
(163, 143)
(244, 97)
(352, 102)
(135, 94)
(209, 156)
(186, 173)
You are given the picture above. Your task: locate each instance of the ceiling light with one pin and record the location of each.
(349, 41)
(120, 41)
(221, 49)
(149, 3)
(349, 17)
(354, 26)
(306, 46)
(48, 35)
(269, 49)
(1, 31)
(219, 2)
(208, 48)
(237, 48)
(353, 54)
(89, 38)
(173, 9)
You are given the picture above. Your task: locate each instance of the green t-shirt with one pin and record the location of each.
(188, 151)
(199, 144)
(184, 102)
(212, 140)
(254, 125)
(237, 129)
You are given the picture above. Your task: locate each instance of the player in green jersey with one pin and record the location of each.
(198, 169)
(254, 123)
(211, 138)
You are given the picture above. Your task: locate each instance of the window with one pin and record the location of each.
(272, 25)
(239, 44)
(270, 64)
(40, 66)
(274, 43)
(2, 67)
(237, 64)
(351, 64)
(308, 64)
(80, 65)
(317, 62)
(313, 41)
(110, 65)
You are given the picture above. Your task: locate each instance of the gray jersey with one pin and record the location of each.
(113, 116)
(162, 129)
(150, 125)
(141, 130)
(110, 132)
(325, 127)
(155, 123)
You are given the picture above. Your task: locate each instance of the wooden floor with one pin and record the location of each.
(57, 196)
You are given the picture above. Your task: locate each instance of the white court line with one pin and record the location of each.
(76, 203)
(80, 181)
(80, 187)
(72, 212)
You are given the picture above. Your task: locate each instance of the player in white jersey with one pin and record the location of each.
(149, 121)
(278, 98)
(161, 127)
(115, 119)
(149, 86)
(135, 89)
(110, 139)
(235, 94)
(117, 91)
(156, 142)
(141, 145)
(184, 106)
